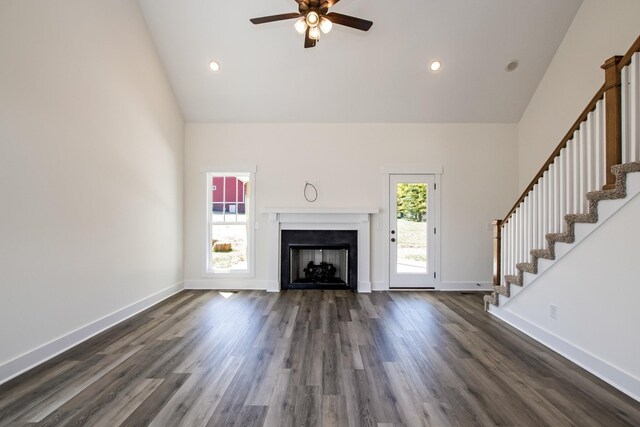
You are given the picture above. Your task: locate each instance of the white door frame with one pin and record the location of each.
(383, 239)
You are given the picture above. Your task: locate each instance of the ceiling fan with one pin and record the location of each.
(314, 17)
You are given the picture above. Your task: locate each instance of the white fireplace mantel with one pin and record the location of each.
(321, 219)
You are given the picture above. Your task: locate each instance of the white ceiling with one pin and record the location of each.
(352, 76)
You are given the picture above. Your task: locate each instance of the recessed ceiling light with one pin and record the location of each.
(512, 65)
(435, 65)
(214, 66)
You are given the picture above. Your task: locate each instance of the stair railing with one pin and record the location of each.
(607, 133)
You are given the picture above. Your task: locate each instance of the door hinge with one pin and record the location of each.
(434, 230)
(434, 275)
(435, 186)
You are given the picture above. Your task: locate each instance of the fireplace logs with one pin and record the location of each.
(323, 273)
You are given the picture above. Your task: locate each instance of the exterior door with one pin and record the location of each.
(411, 231)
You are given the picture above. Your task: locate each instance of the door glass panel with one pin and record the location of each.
(411, 211)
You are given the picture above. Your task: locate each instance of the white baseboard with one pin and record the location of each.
(379, 286)
(445, 286)
(227, 284)
(619, 379)
(30, 360)
(273, 286)
(364, 287)
(465, 286)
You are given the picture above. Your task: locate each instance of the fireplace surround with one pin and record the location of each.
(353, 219)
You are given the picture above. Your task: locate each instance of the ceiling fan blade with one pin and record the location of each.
(332, 2)
(349, 21)
(308, 41)
(272, 18)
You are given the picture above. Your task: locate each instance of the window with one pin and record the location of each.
(229, 223)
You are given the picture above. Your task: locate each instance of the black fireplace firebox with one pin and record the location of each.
(319, 259)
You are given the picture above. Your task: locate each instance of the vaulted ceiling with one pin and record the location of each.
(381, 75)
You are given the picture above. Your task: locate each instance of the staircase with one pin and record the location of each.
(590, 165)
(569, 236)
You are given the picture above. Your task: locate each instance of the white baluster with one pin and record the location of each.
(544, 214)
(504, 241)
(575, 159)
(591, 149)
(520, 234)
(528, 229)
(584, 167)
(532, 221)
(569, 177)
(504, 247)
(625, 101)
(516, 241)
(526, 225)
(534, 218)
(562, 189)
(602, 168)
(547, 208)
(634, 110)
(514, 250)
(512, 245)
(577, 144)
(517, 237)
(541, 214)
(525, 229)
(552, 193)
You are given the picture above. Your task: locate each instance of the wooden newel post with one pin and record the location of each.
(496, 251)
(613, 101)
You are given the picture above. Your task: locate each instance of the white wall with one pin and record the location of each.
(478, 184)
(600, 30)
(91, 166)
(597, 307)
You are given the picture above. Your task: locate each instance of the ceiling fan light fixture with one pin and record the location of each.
(314, 33)
(313, 19)
(325, 25)
(301, 25)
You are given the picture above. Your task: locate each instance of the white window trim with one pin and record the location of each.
(206, 247)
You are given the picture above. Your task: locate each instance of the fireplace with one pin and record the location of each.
(357, 221)
(319, 259)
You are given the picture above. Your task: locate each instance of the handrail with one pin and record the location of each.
(626, 59)
(563, 144)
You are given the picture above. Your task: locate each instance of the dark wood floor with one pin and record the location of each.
(308, 358)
